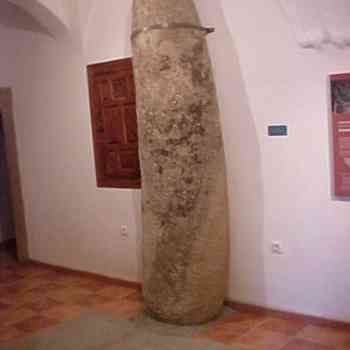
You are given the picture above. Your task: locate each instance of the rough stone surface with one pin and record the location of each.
(184, 197)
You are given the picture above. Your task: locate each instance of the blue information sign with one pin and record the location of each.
(278, 130)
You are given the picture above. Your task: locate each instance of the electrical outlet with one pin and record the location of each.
(124, 232)
(276, 248)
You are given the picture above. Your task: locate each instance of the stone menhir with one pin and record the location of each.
(184, 189)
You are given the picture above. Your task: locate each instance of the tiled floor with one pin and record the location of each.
(33, 298)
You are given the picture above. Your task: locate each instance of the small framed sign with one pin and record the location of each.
(278, 130)
(340, 92)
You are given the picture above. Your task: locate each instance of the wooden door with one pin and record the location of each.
(114, 124)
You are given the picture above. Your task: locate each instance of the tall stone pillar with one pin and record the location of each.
(184, 193)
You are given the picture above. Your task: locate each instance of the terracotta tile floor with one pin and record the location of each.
(33, 298)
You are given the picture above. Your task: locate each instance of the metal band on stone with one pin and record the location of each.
(165, 26)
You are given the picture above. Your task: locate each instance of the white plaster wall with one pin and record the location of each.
(70, 221)
(287, 84)
(267, 177)
(108, 30)
(279, 188)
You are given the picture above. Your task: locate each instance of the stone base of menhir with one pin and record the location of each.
(184, 195)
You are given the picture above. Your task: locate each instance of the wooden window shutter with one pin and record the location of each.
(114, 124)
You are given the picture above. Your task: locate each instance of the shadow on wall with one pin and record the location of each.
(50, 18)
(137, 213)
(12, 16)
(243, 161)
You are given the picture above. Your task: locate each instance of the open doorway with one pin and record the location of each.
(12, 218)
(7, 226)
